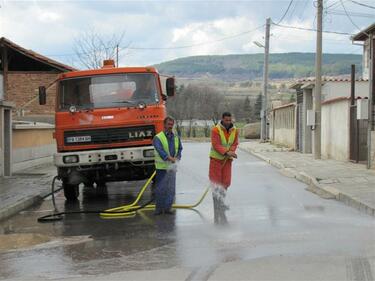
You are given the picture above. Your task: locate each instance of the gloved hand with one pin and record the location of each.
(231, 154)
(172, 159)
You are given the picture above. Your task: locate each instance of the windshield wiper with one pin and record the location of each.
(124, 101)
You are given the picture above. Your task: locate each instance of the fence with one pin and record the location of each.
(33, 144)
(283, 125)
(335, 136)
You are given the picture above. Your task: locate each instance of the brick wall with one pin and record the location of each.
(23, 86)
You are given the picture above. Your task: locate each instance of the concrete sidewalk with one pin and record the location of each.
(25, 188)
(348, 182)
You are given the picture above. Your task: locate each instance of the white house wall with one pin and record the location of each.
(332, 90)
(366, 59)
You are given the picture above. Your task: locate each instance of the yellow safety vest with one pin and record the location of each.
(160, 164)
(224, 142)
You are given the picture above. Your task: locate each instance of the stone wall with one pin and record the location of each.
(251, 131)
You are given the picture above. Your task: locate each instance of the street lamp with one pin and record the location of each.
(266, 47)
(260, 45)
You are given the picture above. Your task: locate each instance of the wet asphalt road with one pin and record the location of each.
(272, 218)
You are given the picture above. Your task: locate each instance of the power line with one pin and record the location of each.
(312, 29)
(333, 4)
(198, 44)
(330, 41)
(352, 14)
(303, 10)
(348, 16)
(287, 9)
(172, 47)
(293, 10)
(362, 4)
(82, 53)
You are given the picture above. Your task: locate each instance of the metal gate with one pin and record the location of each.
(299, 123)
(299, 136)
(358, 137)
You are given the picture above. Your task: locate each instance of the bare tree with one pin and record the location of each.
(92, 48)
(195, 102)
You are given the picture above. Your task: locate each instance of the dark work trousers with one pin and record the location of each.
(165, 189)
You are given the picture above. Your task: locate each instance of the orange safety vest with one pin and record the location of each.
(224, 142)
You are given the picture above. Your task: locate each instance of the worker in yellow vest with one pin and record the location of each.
(224, 142)
(168, 150)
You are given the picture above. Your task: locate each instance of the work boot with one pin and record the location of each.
(158, 212)
(221, 211)
(218, 195)
(169, 212)
(223, 194)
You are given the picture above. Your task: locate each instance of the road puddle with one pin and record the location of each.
(21, 240)
(31, 241)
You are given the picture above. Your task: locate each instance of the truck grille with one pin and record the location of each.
(108, 135)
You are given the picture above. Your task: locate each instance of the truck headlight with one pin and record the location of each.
(70, 159)
(148, 153)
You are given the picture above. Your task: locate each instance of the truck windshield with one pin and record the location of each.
(116, 90)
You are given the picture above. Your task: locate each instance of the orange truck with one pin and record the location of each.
(105, 122)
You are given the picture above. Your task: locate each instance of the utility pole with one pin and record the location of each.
(371, 120)
(264, 127)
(318, 83)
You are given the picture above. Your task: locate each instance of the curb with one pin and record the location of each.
(327, 192)
(22, 204)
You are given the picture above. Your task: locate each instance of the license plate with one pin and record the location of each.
(78, 139)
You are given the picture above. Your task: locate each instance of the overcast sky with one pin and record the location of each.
(212, 27)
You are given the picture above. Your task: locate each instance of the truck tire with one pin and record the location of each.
(71, 191)
(89, 184)
(101, 190)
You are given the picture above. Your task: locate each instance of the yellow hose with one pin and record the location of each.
(130, 210)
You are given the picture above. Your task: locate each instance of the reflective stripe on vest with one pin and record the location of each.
(160, 164)
(224, 142)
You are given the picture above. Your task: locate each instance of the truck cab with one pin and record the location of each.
(105, 122)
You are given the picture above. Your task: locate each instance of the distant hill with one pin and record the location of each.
(245, 67)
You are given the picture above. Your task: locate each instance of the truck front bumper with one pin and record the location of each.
(133, 155)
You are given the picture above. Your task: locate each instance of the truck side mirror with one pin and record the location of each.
(42, 95)
(171, 87)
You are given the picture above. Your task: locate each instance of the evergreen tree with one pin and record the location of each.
(247, 110)
(258, 107)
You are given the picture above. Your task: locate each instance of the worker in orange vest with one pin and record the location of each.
(224, 142)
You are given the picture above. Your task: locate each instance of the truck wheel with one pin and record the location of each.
(101, 190)
(89, 184)
(71, 191)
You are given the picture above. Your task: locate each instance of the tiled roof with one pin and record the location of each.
(330, 79)
(308, 81)
(363, 34)
(284, 106)
(36, 56)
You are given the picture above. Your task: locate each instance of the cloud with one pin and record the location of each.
(222, 36)
(49, 27)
